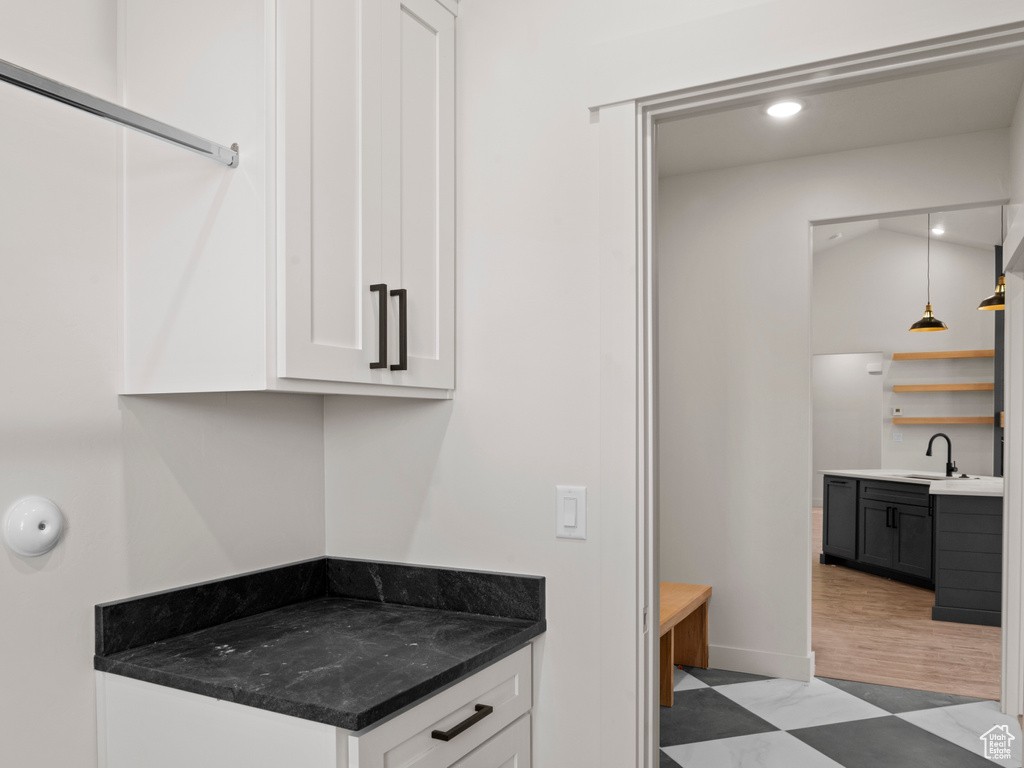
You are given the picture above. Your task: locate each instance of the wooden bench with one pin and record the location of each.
(684, 631)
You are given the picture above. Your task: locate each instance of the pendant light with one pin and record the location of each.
(998, 299)
(928, 321)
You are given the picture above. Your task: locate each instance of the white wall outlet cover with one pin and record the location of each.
(32, 526)
(571, 512)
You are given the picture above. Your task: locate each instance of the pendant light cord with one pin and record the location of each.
(929, 258)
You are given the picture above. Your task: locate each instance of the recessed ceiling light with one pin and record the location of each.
(836, 236)
(785, 108)
(938, 231)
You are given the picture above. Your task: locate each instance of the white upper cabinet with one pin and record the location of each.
(272, 276)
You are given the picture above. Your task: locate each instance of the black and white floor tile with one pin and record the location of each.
(729, 719)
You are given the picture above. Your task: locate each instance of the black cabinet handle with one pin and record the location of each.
(382, 326)
(482, 711)
(403, 325)
(894, 511)
(888, 512)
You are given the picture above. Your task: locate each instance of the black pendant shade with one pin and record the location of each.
(929, 322)
(998, 299)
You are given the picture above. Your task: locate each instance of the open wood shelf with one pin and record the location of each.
(943, 355)
(980, 386)
(943, 420)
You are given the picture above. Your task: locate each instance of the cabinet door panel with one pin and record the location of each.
(839, 533)
(913, 541)
(335, 164)
(419, 183)
(509, 749)
(329, 107)
(875, 534)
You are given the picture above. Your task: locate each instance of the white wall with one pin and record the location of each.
(846, 407)
(1017, 155)
(158, 492)
(867, 292)
(1013, 502)
(735, 385)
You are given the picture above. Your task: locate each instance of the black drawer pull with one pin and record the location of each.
(482, 711)
(382, 326)
(403, 336)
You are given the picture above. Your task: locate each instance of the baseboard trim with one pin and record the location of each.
(762, 662)
(967, 616)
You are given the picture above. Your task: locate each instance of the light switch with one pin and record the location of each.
(569, 504)
(571, 512)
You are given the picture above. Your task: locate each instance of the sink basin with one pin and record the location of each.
(939, 477)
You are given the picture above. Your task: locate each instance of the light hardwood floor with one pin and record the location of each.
(874, 630)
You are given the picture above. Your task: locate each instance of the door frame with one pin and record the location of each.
(627, 189)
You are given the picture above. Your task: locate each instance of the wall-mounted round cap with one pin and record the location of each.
(32, 526)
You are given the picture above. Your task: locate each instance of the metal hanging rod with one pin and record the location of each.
(44, 86)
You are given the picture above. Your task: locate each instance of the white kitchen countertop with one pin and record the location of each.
(938, 484)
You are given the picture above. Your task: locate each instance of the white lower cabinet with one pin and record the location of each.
(142, 724)
(509, 749)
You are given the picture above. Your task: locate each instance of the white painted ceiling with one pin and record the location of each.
(977, 98)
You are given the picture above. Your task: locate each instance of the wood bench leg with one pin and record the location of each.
(666, 668)
(691, 639)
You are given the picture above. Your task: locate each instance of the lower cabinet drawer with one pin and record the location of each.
(897, 493)
(510, 748)
(408, 741)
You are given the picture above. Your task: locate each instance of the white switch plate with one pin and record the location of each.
(571, 512)
(897, 437)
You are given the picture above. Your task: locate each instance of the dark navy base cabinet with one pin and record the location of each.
(839, 529)
(969, 559)
(882, 527)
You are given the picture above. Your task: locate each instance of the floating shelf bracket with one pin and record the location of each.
(44, 86)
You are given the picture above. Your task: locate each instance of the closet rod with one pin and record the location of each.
(44, 86)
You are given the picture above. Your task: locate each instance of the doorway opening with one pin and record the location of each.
(733, 505)
(878, 614)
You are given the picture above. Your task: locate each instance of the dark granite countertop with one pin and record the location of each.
(341, 642)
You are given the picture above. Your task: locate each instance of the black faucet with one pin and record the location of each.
(950, 466)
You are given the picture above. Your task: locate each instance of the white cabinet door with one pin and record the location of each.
(329, 107)
(509, 749)
(419, 184)
(367, 104)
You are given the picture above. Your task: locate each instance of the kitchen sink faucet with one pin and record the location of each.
(950, 466)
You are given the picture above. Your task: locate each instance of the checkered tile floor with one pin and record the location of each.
(725, 719)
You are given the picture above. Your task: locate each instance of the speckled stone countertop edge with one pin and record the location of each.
(324, 714)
